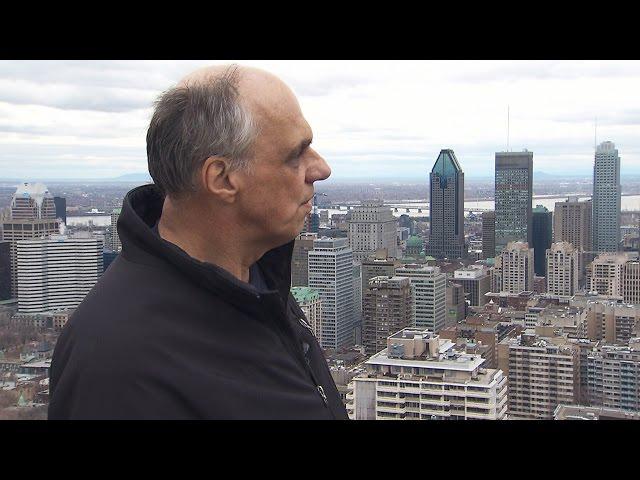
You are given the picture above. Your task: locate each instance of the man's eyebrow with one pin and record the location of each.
(296, 152)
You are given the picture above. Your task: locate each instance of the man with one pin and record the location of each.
(194, 319)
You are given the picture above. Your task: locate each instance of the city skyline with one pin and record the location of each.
(379, 119)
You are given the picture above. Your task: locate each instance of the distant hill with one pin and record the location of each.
(133, 177)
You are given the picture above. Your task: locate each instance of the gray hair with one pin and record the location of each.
(191, 123)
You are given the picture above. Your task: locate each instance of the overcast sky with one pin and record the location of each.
(377, 119)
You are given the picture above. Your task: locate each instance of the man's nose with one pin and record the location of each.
(319, 169)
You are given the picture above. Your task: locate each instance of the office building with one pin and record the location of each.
(513, 198)
(631, 282)
(378, 264)
(476, 281)
(33, 215)
(562, 269)
(606, 198)
(5, 270)
(488, 235)
(614, 378)
(604, 275)
(581, 412)
(611, 322)
(309, 301)
(61, 208)
(429, 295)
(542, 236)
(116, 245)
(387, 309)
(56, 273)
(572, 224)
(357, 303)
(516, 268)
(302, 245)
(543, 372)
(446, 204)
(456, 306)
(372, 226)
(420, 376)
(331, 274)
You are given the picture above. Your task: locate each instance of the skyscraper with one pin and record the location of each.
(429, 295)
(61, 208)
(56, 273)
(513, 198)
(116, 245)
(446, 203)
(300, 259)
(5, 270)
(331, 274)
(542, 236)
(516, 268)
(387, 309)
(372, 226)
(33, 215)
(572, 223)
(488, 234)
(606, 198)
(562, 269)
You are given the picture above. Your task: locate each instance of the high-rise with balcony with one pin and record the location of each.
(387, 308)
(419, 376)
(543, 372)
(605, 274)
(56, 273)
(446, 204)
(372, 226)
(429, 295)
(331, 274)
(513, 198)
(562, 269)
(606, 198)
(516, 268)
(614, 377)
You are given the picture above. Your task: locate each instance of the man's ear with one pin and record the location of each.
(216, 179)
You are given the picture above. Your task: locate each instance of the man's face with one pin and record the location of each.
(277, 191)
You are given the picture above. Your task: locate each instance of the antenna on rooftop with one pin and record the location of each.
(507, 128)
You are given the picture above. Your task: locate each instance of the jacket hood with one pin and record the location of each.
(140, 212)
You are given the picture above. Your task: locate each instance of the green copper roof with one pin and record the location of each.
(447, 164)
(305, 294)
(540, 209)
(414, 241)
(429, 258)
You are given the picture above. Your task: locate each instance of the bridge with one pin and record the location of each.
(402, 208)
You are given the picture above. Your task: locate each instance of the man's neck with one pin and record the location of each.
(207, 240)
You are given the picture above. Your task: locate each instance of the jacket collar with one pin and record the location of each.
(141, 210)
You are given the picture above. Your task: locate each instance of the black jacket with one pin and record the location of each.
(164, 336)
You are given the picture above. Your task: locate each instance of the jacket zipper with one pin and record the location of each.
(308, 368)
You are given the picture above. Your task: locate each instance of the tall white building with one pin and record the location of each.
(606, 198)
(419, 376)
(331, 274)
(516, 262)
(605, 274)
(429, 295)
(56, 273)
(562, 269)
(372, 226)
(116, 245)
